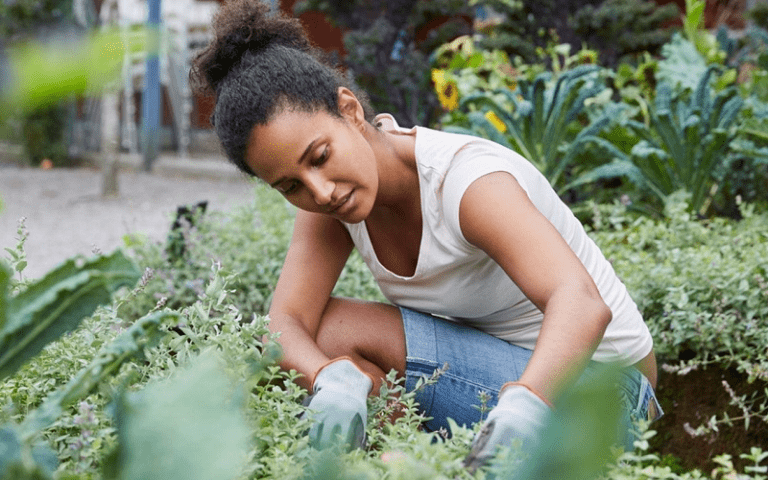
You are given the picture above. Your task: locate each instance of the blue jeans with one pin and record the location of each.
(479, 362)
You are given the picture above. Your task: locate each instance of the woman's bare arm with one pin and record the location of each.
(497, 216)
(320, 246)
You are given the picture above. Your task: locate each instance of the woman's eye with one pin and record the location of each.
(322, 158)
(289, 187)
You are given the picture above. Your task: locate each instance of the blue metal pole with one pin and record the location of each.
(152, 99)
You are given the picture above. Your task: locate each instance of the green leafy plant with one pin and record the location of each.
(536, 118)
(39, 314)
(743, 177)
(689, 137)
(682, 65)
(56, 304)
(248, 244)
(702, 291)
(173, 429)
(624, 28)
(383, 55)
(693, 26)
(87, 437)
(510, 28)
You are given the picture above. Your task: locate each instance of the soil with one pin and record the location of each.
(67, 215)
(694, 398)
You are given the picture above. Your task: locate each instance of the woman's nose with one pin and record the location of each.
(321, 188)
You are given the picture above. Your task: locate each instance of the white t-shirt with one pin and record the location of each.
(460, 282)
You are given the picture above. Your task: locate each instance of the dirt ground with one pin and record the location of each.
(66, 214)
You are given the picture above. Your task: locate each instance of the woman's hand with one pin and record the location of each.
(519, 414)
(338, 405)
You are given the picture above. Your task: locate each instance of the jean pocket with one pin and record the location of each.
(648, 407)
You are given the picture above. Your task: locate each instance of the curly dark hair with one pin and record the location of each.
(258, 64)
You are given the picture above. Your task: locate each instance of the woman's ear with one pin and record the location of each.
(350, 107)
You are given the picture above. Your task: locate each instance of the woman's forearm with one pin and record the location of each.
(300, 350)
(572, 328)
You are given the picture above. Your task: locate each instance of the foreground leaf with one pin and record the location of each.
(187, 428)
(57, 303)
(578, 439)
(20, 462)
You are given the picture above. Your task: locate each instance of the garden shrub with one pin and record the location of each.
(383, 55)
(211, 316)
(515, 31)
(702, 287)
(759, 14)
(43, 135)
(248, 244)
(624, 28)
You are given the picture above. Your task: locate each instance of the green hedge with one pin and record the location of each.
(704, 278)
(701, 285)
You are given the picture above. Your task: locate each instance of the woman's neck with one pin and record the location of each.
(395, 152)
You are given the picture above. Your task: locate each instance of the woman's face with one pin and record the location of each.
(320, 163)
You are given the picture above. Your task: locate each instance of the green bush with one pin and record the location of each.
(513, 30)
(621, 28)
(687, 141)
(702, 286)
(383, 56)
(43, 135)
(88, 440)
(536, 118)
(759, 14)
(247, 244)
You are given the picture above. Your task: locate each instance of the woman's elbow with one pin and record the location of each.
(601, 313)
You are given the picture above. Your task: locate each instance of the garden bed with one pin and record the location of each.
(692, 399)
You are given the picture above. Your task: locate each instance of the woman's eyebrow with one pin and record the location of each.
(304, 155)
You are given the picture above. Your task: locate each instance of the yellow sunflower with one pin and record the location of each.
(447, 91)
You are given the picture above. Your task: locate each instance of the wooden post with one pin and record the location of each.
(110, 125)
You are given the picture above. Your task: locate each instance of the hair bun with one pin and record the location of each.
(242, 26)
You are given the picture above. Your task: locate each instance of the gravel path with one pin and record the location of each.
(66, 214)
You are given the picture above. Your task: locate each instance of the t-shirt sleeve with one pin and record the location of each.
(472, 162)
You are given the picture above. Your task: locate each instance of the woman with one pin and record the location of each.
(486, 269)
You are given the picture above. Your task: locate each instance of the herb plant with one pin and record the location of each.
(689, 138)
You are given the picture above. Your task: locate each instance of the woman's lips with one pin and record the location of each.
(344, 205)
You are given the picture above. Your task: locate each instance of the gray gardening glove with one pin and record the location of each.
(520, 413)
(338, 405)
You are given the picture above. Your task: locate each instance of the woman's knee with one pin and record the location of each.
(370, 330)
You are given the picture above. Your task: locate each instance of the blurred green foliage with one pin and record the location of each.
(189, 426)
(383, 55)
(759, 14)
(689, 138)
(25, 19)
(623, 29)
(41, 75)
(41, 130)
